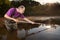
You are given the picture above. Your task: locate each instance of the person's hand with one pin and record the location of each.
(32, 22)
(16, 20)
(35, 23)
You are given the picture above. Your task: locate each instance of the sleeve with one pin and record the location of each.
(10, 12)
(22, 16)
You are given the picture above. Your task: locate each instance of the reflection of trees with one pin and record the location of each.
(3, 34)
(27, 28)
(12, 35)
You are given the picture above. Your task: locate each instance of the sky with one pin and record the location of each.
(47, 1)
(44, 1)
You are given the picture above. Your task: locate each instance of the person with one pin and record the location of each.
(12, 16)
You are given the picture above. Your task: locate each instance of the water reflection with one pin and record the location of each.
(32, 32)
(12, 35)
(3, 35)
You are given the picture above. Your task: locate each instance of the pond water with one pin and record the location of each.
(32, 32)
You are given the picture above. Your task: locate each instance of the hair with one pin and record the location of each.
(16, 4)
(21, 6)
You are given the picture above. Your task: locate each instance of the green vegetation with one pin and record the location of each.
(33, 8)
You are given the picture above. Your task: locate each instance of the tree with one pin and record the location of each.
(3, 7)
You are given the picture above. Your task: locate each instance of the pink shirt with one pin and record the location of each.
(13, 12)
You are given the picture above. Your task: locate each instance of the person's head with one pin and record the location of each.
(21, 8)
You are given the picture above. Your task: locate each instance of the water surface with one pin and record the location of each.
(32, 32)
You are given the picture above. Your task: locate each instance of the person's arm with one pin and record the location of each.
(26, 19)
(9, 13)
(29, 20)
(8, 17)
